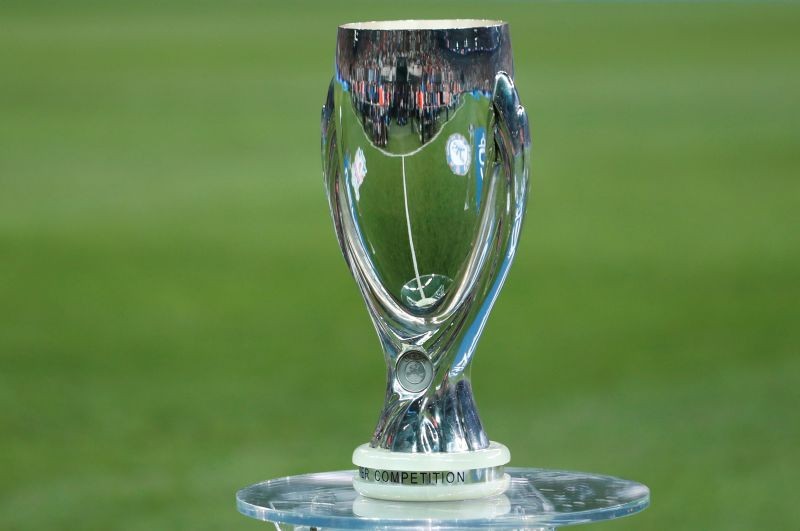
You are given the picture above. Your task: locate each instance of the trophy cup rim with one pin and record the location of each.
(423, 24)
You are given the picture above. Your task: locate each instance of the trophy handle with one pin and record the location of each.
(377, 298)
(330, 163)
(511, 154)
(513, 141)
(508, 161)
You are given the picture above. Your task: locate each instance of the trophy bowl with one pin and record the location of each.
(425, 153)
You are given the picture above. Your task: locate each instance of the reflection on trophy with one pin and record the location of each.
(425, 152)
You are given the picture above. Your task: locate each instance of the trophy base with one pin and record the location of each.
(440, 476)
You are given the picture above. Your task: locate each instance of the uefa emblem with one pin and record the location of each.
(457, 151)
(358, 171)
(414, 371)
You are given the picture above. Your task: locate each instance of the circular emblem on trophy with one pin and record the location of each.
(457, 151)
(414, 371)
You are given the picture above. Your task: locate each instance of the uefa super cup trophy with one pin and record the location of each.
(425, 151)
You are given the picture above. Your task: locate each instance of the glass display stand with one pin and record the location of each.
(538, 499)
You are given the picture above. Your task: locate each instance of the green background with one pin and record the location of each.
(176, 320)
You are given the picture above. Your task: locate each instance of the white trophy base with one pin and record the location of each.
(440, 476)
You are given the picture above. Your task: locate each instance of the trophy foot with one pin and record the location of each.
(440, 476)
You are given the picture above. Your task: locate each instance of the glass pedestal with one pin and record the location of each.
(538, 499)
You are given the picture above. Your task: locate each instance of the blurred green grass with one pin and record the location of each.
(176, 321)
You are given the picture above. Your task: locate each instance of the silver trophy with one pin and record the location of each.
(425, 152)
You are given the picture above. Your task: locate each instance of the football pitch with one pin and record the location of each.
(177, 322)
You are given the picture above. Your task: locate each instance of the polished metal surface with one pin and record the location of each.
(536, 499)
(425, 151)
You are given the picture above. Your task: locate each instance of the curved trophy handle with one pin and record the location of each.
(513, 138)
(376, 296)
(508, 165)
(330, 165)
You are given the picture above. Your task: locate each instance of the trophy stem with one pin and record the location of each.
(443, 419)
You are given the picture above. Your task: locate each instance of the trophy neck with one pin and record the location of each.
(444, 419)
